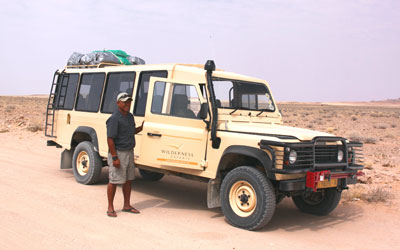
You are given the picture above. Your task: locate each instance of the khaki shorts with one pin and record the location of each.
(126, 171)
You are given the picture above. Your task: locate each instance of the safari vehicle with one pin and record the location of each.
(205, 124)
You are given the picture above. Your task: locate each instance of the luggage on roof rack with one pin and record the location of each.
(117, 57)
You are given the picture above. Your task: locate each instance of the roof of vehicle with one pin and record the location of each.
(173, 67)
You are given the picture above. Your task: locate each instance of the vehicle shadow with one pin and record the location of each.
(179, 193)
(289, 218)
(173, 192)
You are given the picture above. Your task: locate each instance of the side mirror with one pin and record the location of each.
(203, 111)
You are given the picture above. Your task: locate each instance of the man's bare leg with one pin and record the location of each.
(126, 190)
(111, 189)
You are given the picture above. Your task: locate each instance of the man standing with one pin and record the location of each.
(121, 132)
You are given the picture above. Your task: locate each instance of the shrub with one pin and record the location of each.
(35, 128)
(378, 194)
(381, 126)
(9, 109)
(374, 194)
(361, 138)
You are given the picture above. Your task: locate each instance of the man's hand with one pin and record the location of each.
(140, 128)
(117, 163)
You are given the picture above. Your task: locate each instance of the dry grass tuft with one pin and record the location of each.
(381, 126)
(373, 194)
(9, 109)
(364, 139)
(34, 128)
(378, 194)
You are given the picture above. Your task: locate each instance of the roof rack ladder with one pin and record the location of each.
(49, 126)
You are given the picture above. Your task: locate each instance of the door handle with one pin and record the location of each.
(152, 134)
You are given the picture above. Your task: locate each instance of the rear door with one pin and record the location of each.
(173, 135)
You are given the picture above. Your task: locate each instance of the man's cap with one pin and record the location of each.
(123, 97)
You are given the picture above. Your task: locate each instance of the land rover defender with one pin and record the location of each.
(205, 124)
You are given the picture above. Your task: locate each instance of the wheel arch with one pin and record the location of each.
(238, 155)
(84, 133)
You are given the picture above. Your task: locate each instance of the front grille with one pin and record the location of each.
(318, 154)
(327, 153)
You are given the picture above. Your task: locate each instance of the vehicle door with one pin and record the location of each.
(173, 135)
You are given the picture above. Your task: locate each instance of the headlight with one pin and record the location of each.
(340, 155)
(292, 156)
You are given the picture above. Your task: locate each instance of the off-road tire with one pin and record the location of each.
(150, 176)
(90, 175)
(242, 179)
(318, 203)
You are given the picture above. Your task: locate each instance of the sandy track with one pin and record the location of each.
(42, 207)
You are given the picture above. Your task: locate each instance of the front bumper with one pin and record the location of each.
(312, 180)
(317, 159)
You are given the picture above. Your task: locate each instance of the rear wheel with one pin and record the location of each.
(247, 198)
(150, 176)
(86, 163)
(319, 203)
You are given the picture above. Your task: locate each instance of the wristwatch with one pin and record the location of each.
(115, 158)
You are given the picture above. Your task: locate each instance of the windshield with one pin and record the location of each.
(236, 94)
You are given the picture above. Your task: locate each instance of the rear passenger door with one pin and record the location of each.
(173, 135)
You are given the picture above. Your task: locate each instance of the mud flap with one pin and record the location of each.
(213, 197)
(66, 159)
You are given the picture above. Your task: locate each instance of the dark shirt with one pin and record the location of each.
(122, 129)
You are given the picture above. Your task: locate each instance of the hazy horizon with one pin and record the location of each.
(308, 51)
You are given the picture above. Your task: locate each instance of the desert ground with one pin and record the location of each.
(44, 208)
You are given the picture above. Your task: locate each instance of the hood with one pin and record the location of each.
(272, 129)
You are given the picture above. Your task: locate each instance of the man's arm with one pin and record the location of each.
(139, 129)
(113, 151)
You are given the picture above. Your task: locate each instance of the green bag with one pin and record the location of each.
(121, 55)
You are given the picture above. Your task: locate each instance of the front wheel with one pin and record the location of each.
(86, 163)
(321, 202)
(247, 198)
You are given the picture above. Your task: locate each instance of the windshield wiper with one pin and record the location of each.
(234, 111)
(262, 111)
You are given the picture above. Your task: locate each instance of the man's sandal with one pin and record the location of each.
(131, 210)
(111, 214)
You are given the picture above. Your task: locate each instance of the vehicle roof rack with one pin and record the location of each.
(100, 65)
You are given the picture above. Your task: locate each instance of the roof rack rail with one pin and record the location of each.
(100, 65)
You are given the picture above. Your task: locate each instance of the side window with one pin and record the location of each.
(90, 92)
(175, 100)
(158, 96)
(66, 96)
(249, 101)
(143, 88)
(224, 94)
(116, 83)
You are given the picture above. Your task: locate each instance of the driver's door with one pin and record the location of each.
(173, 135)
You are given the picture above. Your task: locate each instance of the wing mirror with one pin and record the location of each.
(203, 111)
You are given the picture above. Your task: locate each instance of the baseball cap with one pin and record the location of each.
(123, 97)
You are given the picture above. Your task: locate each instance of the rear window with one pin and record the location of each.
(67, 91)
(116, 83)
(90, 92)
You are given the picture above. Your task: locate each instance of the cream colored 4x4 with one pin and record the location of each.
(206, 124)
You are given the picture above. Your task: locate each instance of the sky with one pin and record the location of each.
(317, 51)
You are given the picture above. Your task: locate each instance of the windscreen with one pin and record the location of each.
(236, 94)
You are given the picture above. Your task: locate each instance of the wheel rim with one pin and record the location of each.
(314, 198)
(83, 163)
(242, 198)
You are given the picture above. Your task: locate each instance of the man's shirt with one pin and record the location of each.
(122, 129)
